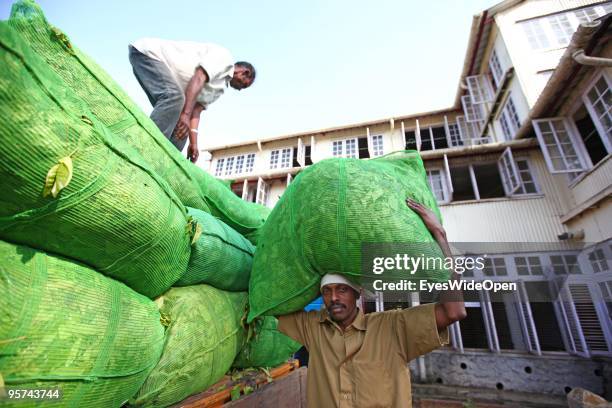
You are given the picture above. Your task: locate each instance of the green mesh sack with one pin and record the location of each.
(245, 217)
(268, 347)
(115, 213)
(220, 257)
(65, 326)
(325, 216)
(203, 336)
(111, 105)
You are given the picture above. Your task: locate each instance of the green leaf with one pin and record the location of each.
(58, 177)
(196, 233)
(235, 392)
(248, 389)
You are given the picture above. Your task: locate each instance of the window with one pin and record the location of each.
(439, 137)
(586, 15)
(350, 148)
(263, 191)
(528, 265)
(377, 145)
(364, 149)
(454, 135)
(250, 162)
(535, 34)
(239, 164)
(229, 166)
(496, 70)
(470, 131)
(472, 111)
(411, 143)
(473, 327)
(606, 291)
(487, 180)
(307, 155)
(286, 157)
(565, 264)
(562, 28)
(503, 121)
(509, 119)
(437, 185)
(528, 184)
(480, 89)
(557, 30)
(345, 148)
(494, 267)
(274, 158)
(509, 172)
(299, 154)
(462, 184)
(558, 145)
(598, 261)
(219, 169)
(544, 316)
(598, 100)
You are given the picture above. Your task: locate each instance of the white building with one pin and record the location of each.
(523, 156)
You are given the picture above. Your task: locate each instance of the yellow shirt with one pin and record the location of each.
(365, 365)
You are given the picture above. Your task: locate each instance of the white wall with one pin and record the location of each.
(528, 62)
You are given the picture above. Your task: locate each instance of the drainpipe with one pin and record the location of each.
(581, 58)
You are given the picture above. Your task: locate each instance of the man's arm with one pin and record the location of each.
(451, 307)
(297, 325)
(192, 150)
(194, 87)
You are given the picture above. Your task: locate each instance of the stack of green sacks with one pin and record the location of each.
(109, 209)
(65, 326)
(326, 216)
(115, 110)
(91, 178)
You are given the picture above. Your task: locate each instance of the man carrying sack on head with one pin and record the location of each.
(359, 360)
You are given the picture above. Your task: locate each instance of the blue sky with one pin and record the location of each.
(320, 63)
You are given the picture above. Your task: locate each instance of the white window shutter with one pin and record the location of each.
(577, 342)
(417, 135)
(313, 150)
(449, 182)
(509, 172)
(245, 190)
(586, 310)
(447, 132)
(370, 144)
(301, 153)
(489, 320)
(471, 111)
(530, 335)
(480, 89)
(559, 146)
(455, 332)
(262, 192)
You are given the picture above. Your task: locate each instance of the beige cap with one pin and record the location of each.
(335, 278)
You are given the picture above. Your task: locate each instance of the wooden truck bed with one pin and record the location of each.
(286, 389)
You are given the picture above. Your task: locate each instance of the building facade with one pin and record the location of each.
(522, 164)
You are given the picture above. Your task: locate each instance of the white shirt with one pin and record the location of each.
(183, 57)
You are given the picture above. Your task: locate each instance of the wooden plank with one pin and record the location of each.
(220, 393)
(287, 392)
